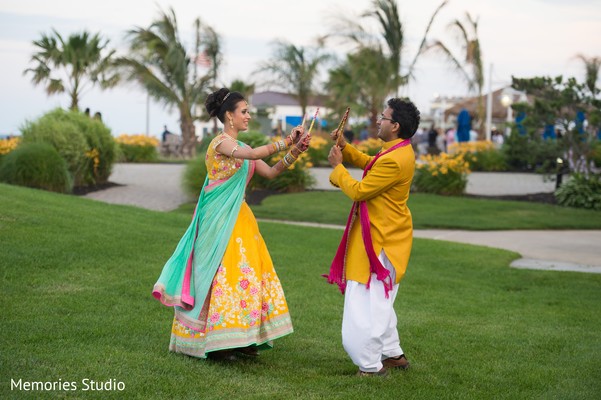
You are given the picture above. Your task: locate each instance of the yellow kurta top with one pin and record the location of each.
(385, 189)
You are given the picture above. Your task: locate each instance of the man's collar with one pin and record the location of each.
(388, 145)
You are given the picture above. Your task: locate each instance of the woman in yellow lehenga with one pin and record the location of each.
(220, 279)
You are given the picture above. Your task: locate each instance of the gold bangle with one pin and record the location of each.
(289, 158)
(233, 150)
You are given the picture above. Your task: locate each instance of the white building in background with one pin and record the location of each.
(281, 111)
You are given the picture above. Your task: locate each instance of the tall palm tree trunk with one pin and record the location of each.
(188, 137)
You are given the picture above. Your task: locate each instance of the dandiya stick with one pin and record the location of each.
(312, 122)
(340, 128)
(304, 119)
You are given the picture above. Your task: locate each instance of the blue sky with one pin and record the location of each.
(519, 37)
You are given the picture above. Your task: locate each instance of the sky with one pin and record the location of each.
(523, 38)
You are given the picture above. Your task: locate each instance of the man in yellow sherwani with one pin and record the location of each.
(374, 251)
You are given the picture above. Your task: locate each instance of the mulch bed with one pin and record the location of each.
(83, 190)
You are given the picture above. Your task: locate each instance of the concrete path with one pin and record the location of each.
(158, 187)
(479, 183)
(152, 186)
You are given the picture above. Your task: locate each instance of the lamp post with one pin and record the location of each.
(507, 101)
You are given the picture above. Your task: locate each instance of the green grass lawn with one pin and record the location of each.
(429, 212)
(76, 277)
(432, 211)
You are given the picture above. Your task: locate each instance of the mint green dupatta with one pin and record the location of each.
(187, 276)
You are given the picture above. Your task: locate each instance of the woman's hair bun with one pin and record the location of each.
(215, 100)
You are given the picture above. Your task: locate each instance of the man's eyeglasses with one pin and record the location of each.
(381, 117)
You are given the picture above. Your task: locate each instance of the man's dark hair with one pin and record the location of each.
(406, 115)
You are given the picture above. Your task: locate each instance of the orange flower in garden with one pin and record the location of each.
(137, 140)
(8, 145)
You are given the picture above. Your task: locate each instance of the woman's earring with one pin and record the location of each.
(231, 123)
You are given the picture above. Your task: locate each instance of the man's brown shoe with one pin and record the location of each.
(399, 362)
(382, 372)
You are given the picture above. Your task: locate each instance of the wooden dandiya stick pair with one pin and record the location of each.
(340, 128)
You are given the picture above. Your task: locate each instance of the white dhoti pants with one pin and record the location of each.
(369, 332)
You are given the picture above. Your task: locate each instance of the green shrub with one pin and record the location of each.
(444, 174)
(195, 175)
(137, 148)
(490, 160)
(253, 138)
(319, 150)
(481, 155)
(580, 191)
(137, 154)
(102, 149)
(596, 153)
(296, 179)
(203, 145)
(36, 165)
(531, 153)
(64, 136)
(84, 143)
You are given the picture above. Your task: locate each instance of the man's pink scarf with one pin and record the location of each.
(337, 274)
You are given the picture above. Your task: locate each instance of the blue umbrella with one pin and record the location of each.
(518, 122)
(549, 132)
(464, 126)
(580, 117)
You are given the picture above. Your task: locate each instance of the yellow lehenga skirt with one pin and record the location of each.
(246, 304)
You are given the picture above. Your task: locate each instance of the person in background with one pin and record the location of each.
(450, 138)
(432, 135)
(221, 280)
(165, 134)
(364, 134)
(374, 251)
(349, 135)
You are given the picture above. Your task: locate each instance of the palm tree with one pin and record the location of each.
(591, 66)
(74, 65)
(392, 36)
(469, 62)
(214, 56)
(362, 82)
(295, 69)
(246, 89)
(161, 63)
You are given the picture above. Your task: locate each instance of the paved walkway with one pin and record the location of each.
(152, 186)
(158, 187)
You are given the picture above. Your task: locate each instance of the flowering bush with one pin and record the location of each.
(138, 148)
(85, 144)
(294, 179)
(481, 155)
(370, 146)
(442, 174)
(8, 145)
(318, 151)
